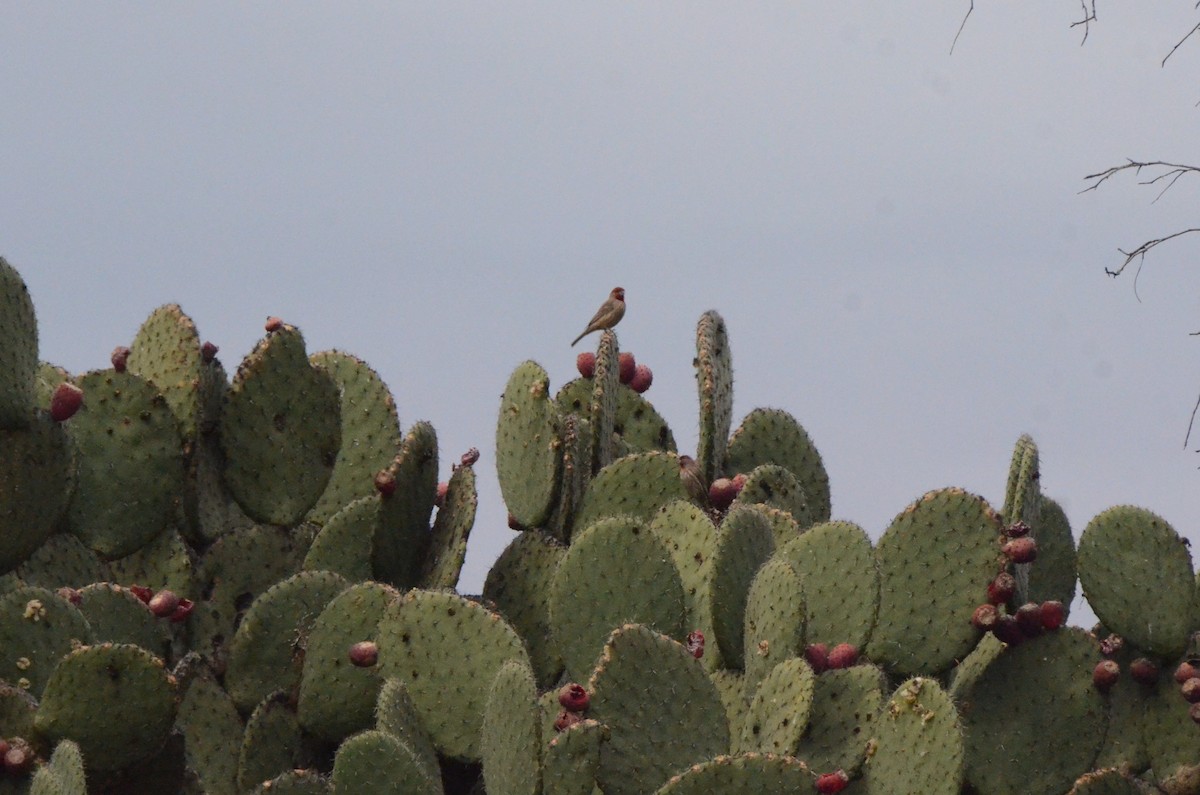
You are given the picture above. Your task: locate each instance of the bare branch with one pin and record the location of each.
(1192, 421)
(1180, 42)
(1089, 16)
(1140, 252)
(963, 25)
(1171, 172)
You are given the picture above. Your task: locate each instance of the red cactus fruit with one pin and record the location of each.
(72, 595)
(1111, 645)
(586, 364)
(843, 655)
(721, 493)
(1021, 550)
(440, 499)
(1191, 690)
(817, 656)
(1029, 619)
(1016, 530)
(364, 654)
(642, 379)
(695, 643)
(274, 323)
(984, 617)
(836, 781)
(65, 401)
(470, 457)
(574, 697)
(1105, 675)
(1008, 630)
(739, 483)
(119, 358)
(18, 759)
(182, 611)
(385, 483)
(626, 366)
(1186, 671)
(163, 603)
(566, 719)
(1053, 615)
(142, 592)
(208, 352)
(1001, 589)
(1144, 670)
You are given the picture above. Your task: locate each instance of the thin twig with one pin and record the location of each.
(1140, 252)
(1178, 43)
(1171, 173)
(1191, 421)
(960, 27)
(1088, 18)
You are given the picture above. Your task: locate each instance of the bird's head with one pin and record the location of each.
(617, 293)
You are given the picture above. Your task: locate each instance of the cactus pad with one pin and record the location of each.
(1172, 739)
(1121, 550)
(404, 535)
(166, 562)
(280, 430)
(638, 423)
(37, 627)
(1054, 574)
(935, 562)
(117, 702)
(772, 436)
(836, 562)
(648, 686)
(509, 738)
(447, 651)
(762, 774)
(63, 775)
(572, 759)
(845, 706)
(743, 545)
(919, 743)
(519, 585)
(18, 349)
(714, 380)
(36, 473)
(212, 732)
(346, 543)
(779, 713)
(63, 560)
(378, 763)
(117, 616)
(590, 593)
(166, 352)
(528, 454)
(691, 537)
(396, 714)
(776, 487)
(271, 744)
(636, 485)
(775, 618)
(448, 541)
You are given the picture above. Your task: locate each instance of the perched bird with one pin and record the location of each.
(693, 482)
(608, 315)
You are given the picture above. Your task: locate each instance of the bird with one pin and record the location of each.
(608, 315)
(693, 480)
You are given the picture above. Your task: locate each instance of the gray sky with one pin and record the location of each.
(893, 234)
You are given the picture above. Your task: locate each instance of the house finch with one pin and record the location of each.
(608, 315)
(693, 483)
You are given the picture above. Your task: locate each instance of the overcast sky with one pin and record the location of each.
(893, 234)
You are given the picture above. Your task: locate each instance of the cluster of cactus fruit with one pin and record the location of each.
(246, 585)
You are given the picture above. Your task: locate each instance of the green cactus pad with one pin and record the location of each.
(404, 535)
(1022, 493)
(602, 411)
(772, 436)
(448, 541)
(1172, 738)
(775, 619)
(116, 701)
(774, 486)
(1053, 576)
(166, 562)
(919, 743)
(1109, 782)
(1128, 707)
(841, 584)
(714, 380)
(370, 432)
(783, 525)
(636, 485)
(779, 712)
(345, 543)
(576, 474)
(396, 714)
(648, 686)
(743, 545)
(166, 352)
(280, 430)
(267, 652)
(37, 627)
(845, 706)
(117, 616)
(510, 735)
(212, 509)
(129, 463)
(376, 762)
(271, 744)
(1057, 667)
(528, 454)
(731, 686)
(36, 478)
(572, 759)
(447, 651)
(1121, 550)
(337, 698)
(18, 349)
(761, 774)
(519, 585)
(591, 591)
(63, 775)
(17, 709)
(964, 675)
(691, 538)
(296, 782)
(935, 562)
(637, 422)
(236, 569)
(63, 561)
(212, 732)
